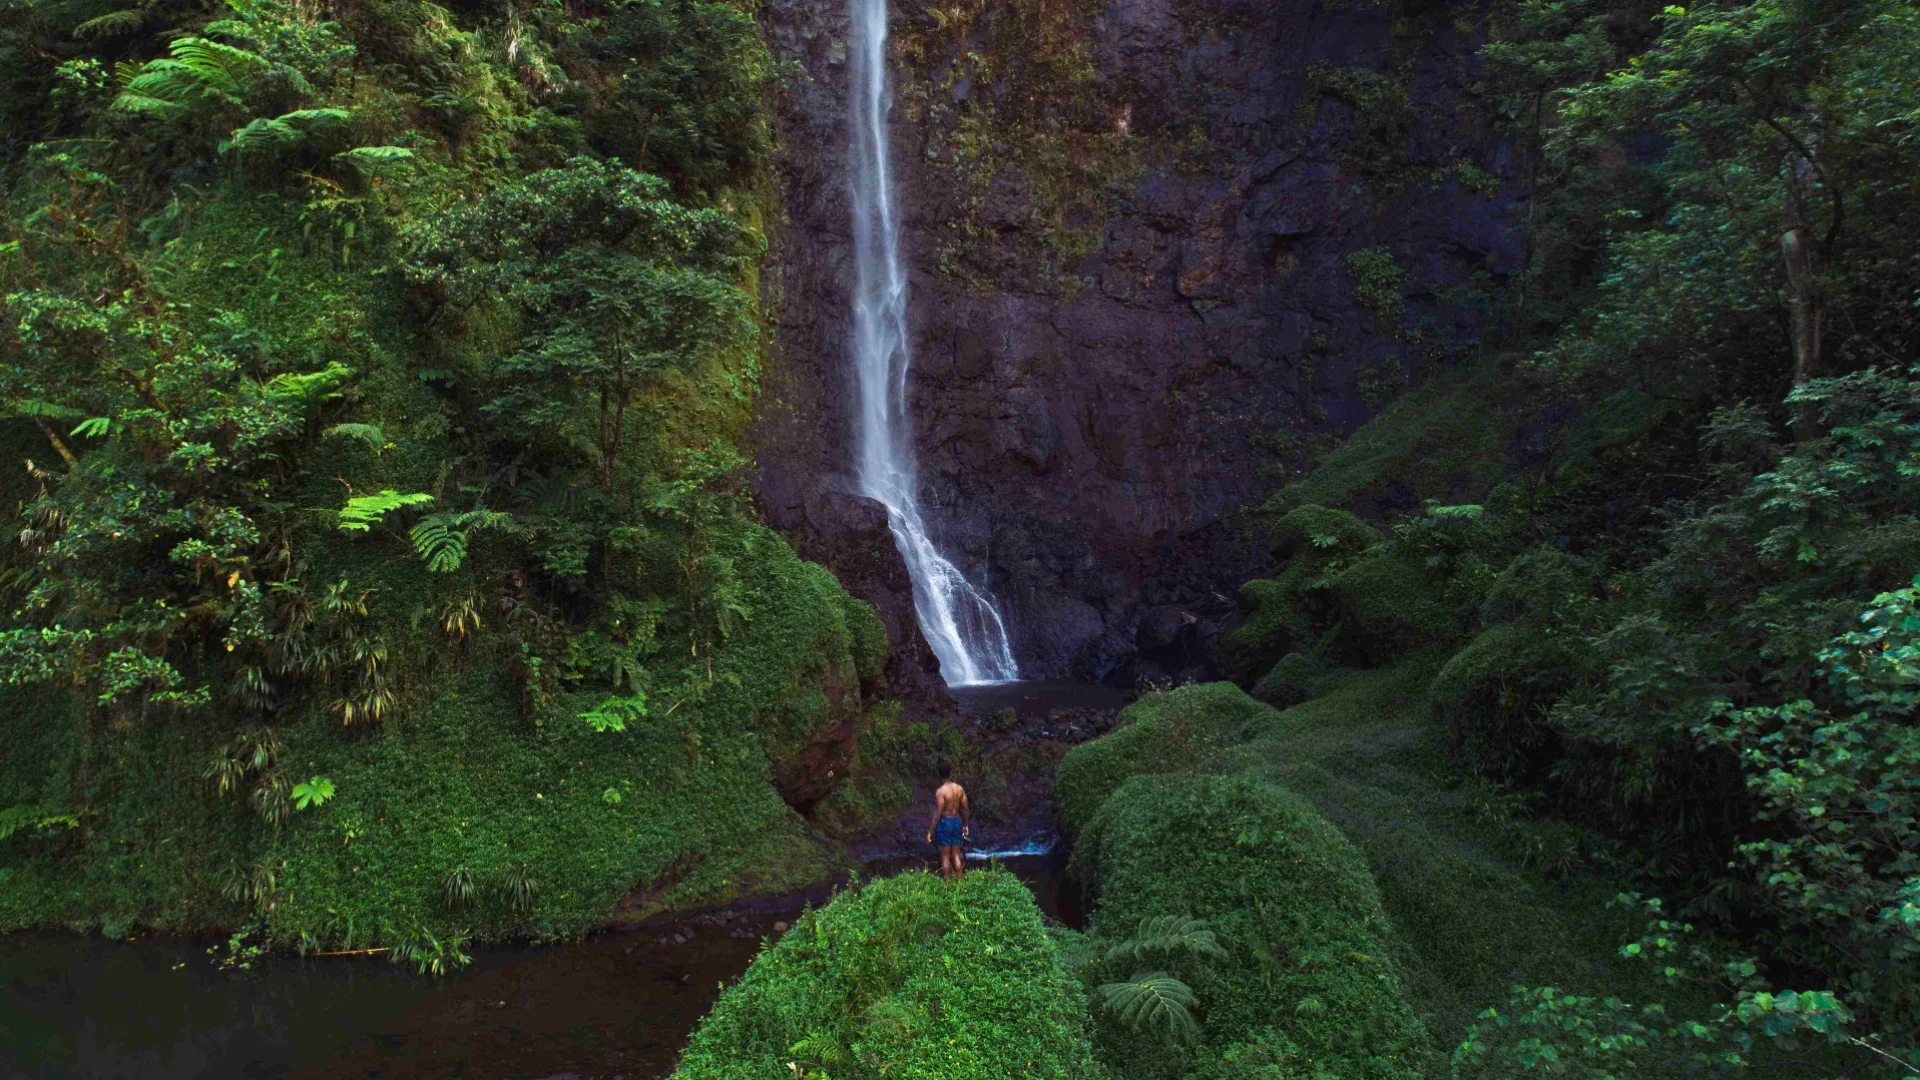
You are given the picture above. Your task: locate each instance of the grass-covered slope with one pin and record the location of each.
(911, 976)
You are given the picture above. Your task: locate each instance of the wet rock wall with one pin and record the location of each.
(1159, 250)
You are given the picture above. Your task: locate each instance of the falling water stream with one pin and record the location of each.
(957, 617)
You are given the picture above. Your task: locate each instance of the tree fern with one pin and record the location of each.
(282, 132)
(1168, 933)
(198, 71)
(363, 512)
(1153, 999)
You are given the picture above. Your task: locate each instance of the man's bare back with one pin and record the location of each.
(951, 824)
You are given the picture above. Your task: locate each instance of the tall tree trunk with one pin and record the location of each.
(1806, 309)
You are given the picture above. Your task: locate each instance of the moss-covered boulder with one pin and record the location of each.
(1272, 624)
(1274, 621)
(1172, 731)
(1320, 533)
(1289, 681)
(912, 976)
(1306, 989)
(1382, 607)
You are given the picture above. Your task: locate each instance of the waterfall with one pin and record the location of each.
(957, 617)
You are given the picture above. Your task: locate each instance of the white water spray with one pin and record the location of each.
(958, 619)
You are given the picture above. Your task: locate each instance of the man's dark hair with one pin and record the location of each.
(946, 770)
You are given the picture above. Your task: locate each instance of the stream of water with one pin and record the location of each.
(621, 1003)
(957, 617)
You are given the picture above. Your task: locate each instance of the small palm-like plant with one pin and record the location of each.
(458, 886)
(460, 618)
(1153, 999)
(517, 884)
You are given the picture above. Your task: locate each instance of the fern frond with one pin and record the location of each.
(441, 539)
(378, 161)
(366, 433)
(112, 24)
(438, 543)
(46, 409)
(363, 512)
(822, 1049)
(1153, 999)
(284, 131)
(1168, 933)
(314, 119)
(263, 134)
(222, 68)
(197, 70)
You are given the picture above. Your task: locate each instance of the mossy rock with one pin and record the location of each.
(1165, 732)
(1273, 625)
(1291, 902)
(1290, 681)
(911, 976)
(1320, 533)
(1490, 697)
(1383, 607)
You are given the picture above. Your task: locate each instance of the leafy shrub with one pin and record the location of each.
(909, 976)
(1492, 697)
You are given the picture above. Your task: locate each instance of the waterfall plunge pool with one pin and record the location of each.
(620, 1003)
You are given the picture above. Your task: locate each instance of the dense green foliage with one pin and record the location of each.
(1305, 986)
(384, 571)
(910, 976)
(1673, 624)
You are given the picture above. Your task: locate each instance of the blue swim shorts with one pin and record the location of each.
(947, 832)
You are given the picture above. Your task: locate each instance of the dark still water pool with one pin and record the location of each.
(1034, 698)
(620, 1003)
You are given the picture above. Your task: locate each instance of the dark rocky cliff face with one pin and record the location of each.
(1133, 228)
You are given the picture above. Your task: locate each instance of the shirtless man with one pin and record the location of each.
(951, 824)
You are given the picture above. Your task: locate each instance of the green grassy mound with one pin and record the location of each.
(911, 976)
(1173, 731)
(1307, 987)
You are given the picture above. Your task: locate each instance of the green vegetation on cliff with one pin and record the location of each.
(384, 571)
